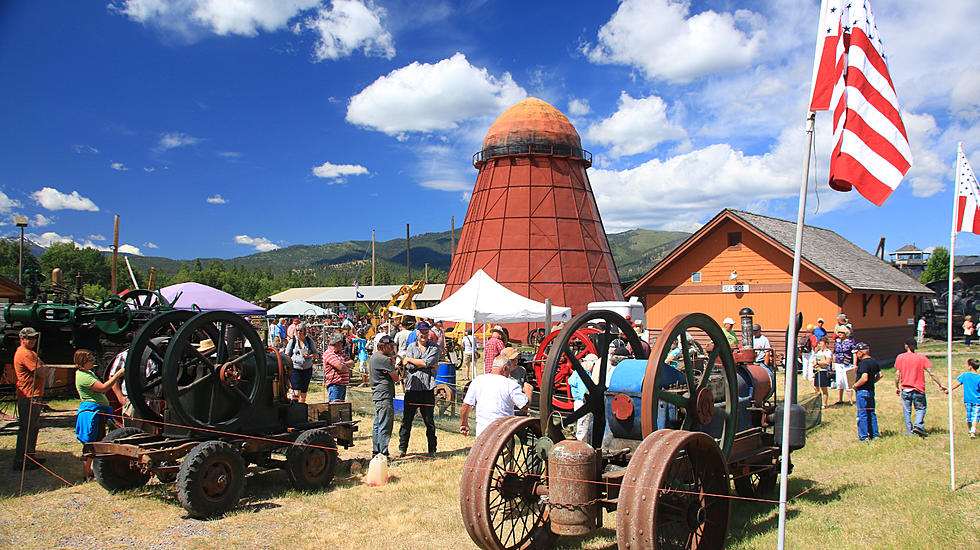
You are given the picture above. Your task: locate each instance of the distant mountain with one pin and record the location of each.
(636, 251)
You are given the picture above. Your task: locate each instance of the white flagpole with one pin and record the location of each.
(791, 340)
(949, 321)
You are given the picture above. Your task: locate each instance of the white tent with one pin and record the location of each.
(483, 300)
(295, 308)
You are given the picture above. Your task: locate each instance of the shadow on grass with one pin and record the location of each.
(62, 463)
(752, 518)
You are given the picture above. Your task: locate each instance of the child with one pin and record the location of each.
(822, 363)
(970, 381)
(89, 424)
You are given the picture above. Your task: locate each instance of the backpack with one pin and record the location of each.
(806, 344)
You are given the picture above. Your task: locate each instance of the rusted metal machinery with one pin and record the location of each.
(217, 398)
(670, 433)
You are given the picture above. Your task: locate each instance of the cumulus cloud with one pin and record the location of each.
(150, 245)
(350, 26)
(259, 243)
(423, 97)
(579, 107)
(52, 199)
(173, 140)
(40, 220)
(637, 126)
(48, 238)
(217, 199)
(118, 166)
(338, 173)
(129, 249)
(664, 41)
(7, 203)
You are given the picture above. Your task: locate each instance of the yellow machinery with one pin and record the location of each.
(404, 298)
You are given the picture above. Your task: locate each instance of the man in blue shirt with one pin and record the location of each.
(819, 332)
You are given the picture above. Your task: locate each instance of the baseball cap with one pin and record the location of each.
(510, 353)
(28, 332)
(335, 338)
(422, 325)
(820, 320)
(386, 340)
(756, 327)
(862, 346)
(728, 321)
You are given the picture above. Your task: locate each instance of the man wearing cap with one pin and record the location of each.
(728, 324)
(383, 378)
(761, 345)
(336, 368)
(819, 331)
(420, 362)
(31, 373)
(868, 373)
(494, 395)
(492, 348)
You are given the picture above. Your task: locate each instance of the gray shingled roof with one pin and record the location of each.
(837, 256)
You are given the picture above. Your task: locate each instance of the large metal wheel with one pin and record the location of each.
(311, 460)
(144, 361)
(564, 357)
(113, 316)
(218, 387)
(701, 389)
(500, 492)
(211, 479)
(145, 304)
(674, 494)
(119, 473)
(579, 345)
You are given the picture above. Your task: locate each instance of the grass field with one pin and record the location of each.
(890, 493)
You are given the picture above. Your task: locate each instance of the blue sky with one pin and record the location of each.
(221, 127)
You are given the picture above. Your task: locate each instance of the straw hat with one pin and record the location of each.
(205, 346)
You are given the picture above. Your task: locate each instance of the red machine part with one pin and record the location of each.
(580, 339)
(622, 406)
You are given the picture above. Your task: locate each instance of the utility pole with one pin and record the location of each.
(408, 253)
(21, 222)
(426, 272)
(115, 255)
(149, 283)
(372, 257)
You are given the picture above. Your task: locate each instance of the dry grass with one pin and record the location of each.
(893, 492)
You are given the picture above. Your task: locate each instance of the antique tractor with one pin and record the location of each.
(669, 435)
(217, 400)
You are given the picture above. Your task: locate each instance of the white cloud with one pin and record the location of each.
(96, 237)
(191, 18)
(448, 185)
(81, 149)
(48, 238)
(217, 199)
(149, 169)
(260, 243)
(229, 154)
(7, 203)
(118, 166)
(637, 126)
(349, 26)
(40, 220)
(423, 97)
(579, 107)
(173, 140)
(337, 173)
(130, 249)
(148, 244)
(52, 199)
(664, 41)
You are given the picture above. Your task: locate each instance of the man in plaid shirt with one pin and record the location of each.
(336, 368)
(492, 348)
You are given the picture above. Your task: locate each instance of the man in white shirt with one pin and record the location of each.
(921, 329)
(469, 351)
(761, 345)
(494, 395)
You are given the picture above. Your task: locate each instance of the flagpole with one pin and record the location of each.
(949, 320)
(791, 340)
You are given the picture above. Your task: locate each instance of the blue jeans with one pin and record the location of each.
(866, 418)
(384, 423)
(336, 392)
(914, 399)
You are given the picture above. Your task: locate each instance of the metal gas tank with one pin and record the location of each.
(573, 487)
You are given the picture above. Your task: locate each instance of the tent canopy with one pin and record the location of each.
(295, 308)
(189, 295)
(483, 300)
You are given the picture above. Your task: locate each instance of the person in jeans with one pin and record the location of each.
(336, 368)
(383, 379)
(31, 373)
(970, 380)
(868, 373)
(910, 384)
(420, 360)
(301, 350)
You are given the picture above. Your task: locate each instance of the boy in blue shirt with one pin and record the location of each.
(970, 380)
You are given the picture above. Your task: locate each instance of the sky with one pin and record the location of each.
(218, 128)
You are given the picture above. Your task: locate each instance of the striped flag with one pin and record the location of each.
(967, 195)
(850, 76)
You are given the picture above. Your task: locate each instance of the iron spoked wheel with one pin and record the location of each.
(674, 494)
(445, 399)
(564, 358)
(145, 303)
(211, 479)
(536, 336)
(113, 315)
(702, 387)
(311, 460)
(579, 345)
(498, 492)
(216, 388)
(144, 361)
(119, 474)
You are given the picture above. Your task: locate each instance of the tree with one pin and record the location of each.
(91, 264)
(10, 256)
(937, 269)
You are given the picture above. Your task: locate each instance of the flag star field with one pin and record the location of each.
(218, 128)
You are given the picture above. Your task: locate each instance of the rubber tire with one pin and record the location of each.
(309, 445)
(115, 474)
(190, 492)
(765, 485)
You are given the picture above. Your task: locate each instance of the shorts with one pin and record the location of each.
(362, 367)
(300, 379)
(821, 379)
(972, 412)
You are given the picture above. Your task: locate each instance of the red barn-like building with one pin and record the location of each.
(532, 223)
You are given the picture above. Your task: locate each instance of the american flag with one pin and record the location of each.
(967, 195)
(357, 290)
(850, 76)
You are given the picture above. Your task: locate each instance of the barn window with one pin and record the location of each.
(734, 238)
(696, 277)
